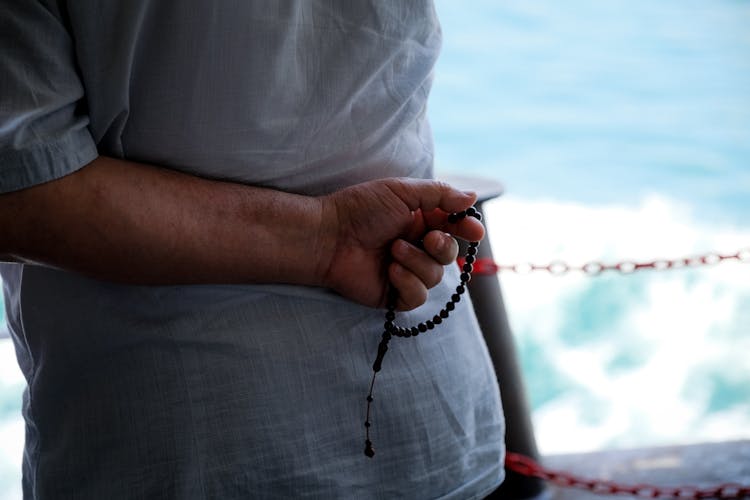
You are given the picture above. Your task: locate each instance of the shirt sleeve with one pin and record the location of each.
(43, 130)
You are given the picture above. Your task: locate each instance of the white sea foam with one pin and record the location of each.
(686, 332)
(10, 374)
(11, 446)
(11, 424)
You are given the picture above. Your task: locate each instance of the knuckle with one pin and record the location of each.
(443, 186)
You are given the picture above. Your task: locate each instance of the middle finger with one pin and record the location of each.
(420, 263)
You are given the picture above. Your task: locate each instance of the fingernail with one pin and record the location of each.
(469, 194)
(450, 240)
(440, 243)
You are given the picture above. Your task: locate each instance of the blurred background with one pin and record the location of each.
(621, 131)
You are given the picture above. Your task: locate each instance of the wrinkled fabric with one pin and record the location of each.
(219, 391)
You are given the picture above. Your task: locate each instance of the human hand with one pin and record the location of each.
(374, 228)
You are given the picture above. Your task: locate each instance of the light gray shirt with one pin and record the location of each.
(222, 391)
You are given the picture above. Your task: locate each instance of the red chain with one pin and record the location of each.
(525, 466)
(485, 266)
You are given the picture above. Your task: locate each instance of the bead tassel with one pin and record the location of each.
(392, 329)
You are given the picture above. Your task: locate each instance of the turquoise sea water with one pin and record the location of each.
(621, 130)
(600, 101)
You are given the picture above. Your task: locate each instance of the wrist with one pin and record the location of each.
(326, 242)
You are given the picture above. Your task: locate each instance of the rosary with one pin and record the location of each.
(392, 329)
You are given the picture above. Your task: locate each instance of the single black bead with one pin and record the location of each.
(453, 218)
(389, 326)
(414, 331)
(369, 450)
(430, 324)
(469, 259)
(460, 289)
(369, 399)
(450, 306)
(367, 423)
(391, 315)
(471, 251)
(455, 297)
(444, 313)
(471, 211)
(478, 216)
(473, 244)
(465, 277)
(406, 332)
(422, 327)
(437, 319)
(468, 267)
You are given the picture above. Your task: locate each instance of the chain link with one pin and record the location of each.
(526, 466)
(484, 266)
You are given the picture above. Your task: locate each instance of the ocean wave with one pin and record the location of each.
(653, 357)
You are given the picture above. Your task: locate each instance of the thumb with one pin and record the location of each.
(429, 195)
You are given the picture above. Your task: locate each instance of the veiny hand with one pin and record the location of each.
(376, 225)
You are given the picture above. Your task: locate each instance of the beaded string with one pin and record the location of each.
(391, 329)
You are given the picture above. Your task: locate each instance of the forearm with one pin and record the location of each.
(136, 223)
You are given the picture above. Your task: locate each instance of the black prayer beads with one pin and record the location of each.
(391, 329)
